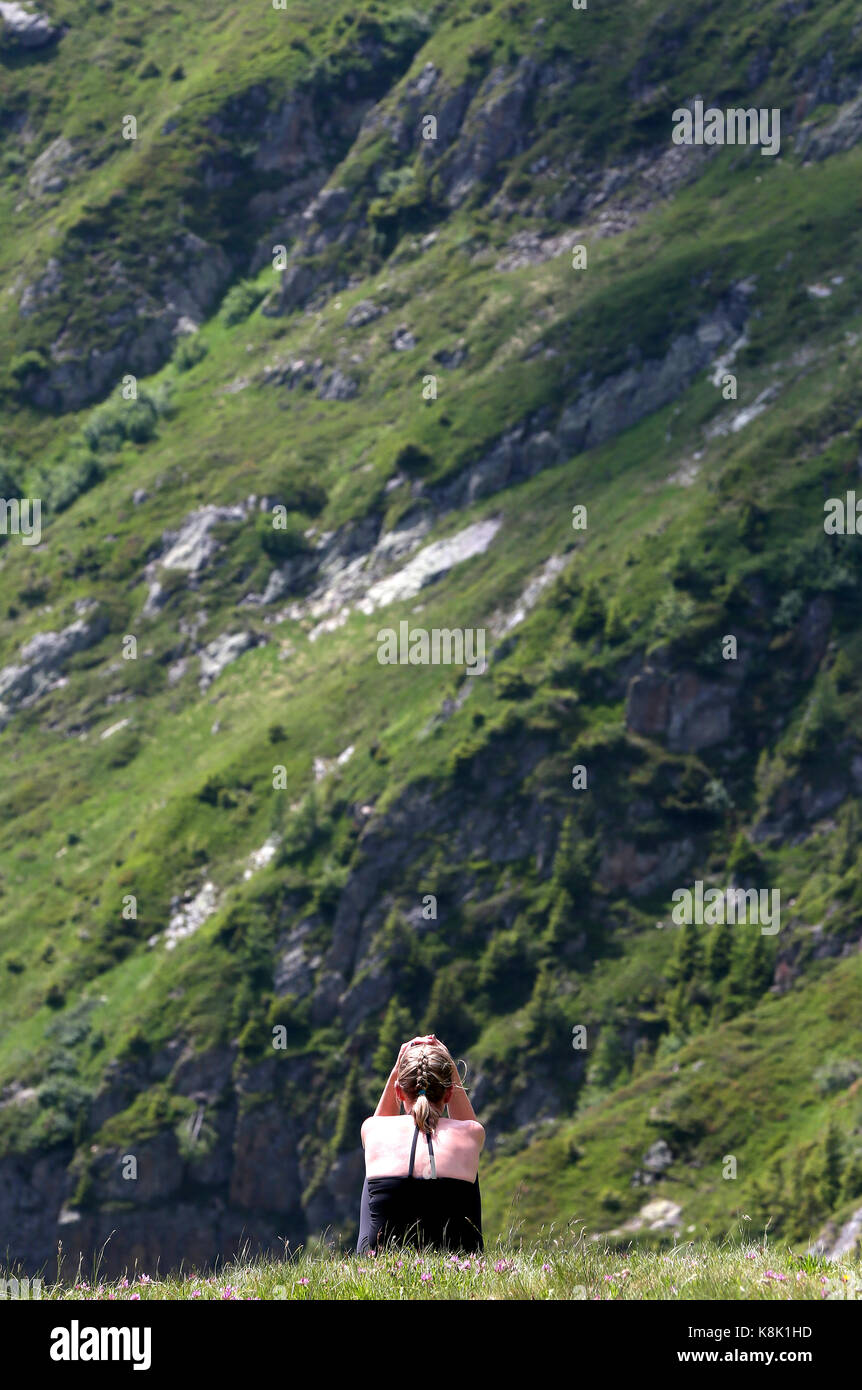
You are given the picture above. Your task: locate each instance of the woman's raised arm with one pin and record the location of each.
(388, 1103)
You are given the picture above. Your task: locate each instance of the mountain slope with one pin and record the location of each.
(225, 823)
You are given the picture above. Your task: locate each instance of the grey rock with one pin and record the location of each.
(402, 339)
(221, 652)
(294, 969)
(366, 311)
(42, 660)
(57, 160)
(848, 1239)
(682, 707)
(837, 135)
(324, 1005)
(368, 995)
(658, 1157)
(190, 549)
(24, 28)
(337, 387)
(47, 286)
(159, 1171)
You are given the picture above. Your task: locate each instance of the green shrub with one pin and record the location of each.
(110, 425)
(837, 1075)
(298, 493)
(590, 614)
(74, 477)
(9, 477)
(240, 301)
(282, 543)
(190, 350)
(674, 611)
(55, 997)
(413, 459)
(26, 363)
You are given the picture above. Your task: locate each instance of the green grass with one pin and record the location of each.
(564, 1268)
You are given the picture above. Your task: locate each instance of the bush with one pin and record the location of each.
(590, 616)
(9, 477)
(512, 685)
(54, 997)
(240, 301)
(282, 543)
(190, 350)
(837, 1075)
(413, 459)
(673, 614)
(118, 420)
(821, 723)
(299, 494)
(26, 363)
(789, 610)
(70, 480)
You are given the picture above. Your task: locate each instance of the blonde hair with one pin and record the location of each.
(425, 1074)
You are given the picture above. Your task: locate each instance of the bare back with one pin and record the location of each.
(387, 1140)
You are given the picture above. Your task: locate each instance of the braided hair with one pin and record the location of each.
(425, 1075)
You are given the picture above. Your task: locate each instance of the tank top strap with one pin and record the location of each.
(413, 1151)
(431, 1157)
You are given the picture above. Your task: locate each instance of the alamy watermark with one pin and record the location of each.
(20, 1289)
(441, 646)
(21, 516)
(735, 126)
(727, 906)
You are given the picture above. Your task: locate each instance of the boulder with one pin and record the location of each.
(20, 28)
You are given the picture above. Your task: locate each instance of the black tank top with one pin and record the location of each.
(445, 1213)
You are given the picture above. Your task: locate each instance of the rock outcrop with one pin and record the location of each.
(22, 28)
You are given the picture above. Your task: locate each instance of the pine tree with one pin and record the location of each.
(352, 1110)
(609, 1059)
(615, 628)
(805, 1208)
(851, 1185)
(448, 1014)
(590, 614)
(829, 1186)
(718, 953)
(744, 864)
(396, 1028)
(751, 970)
(567, 895)
(685, 975)
(546, 1022)
(686, 962)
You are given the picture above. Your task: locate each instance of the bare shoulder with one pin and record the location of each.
(375, 1123)
(473, 1128)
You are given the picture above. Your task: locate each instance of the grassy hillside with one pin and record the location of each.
(221, 816)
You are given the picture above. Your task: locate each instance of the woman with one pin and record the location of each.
(400, 1150)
